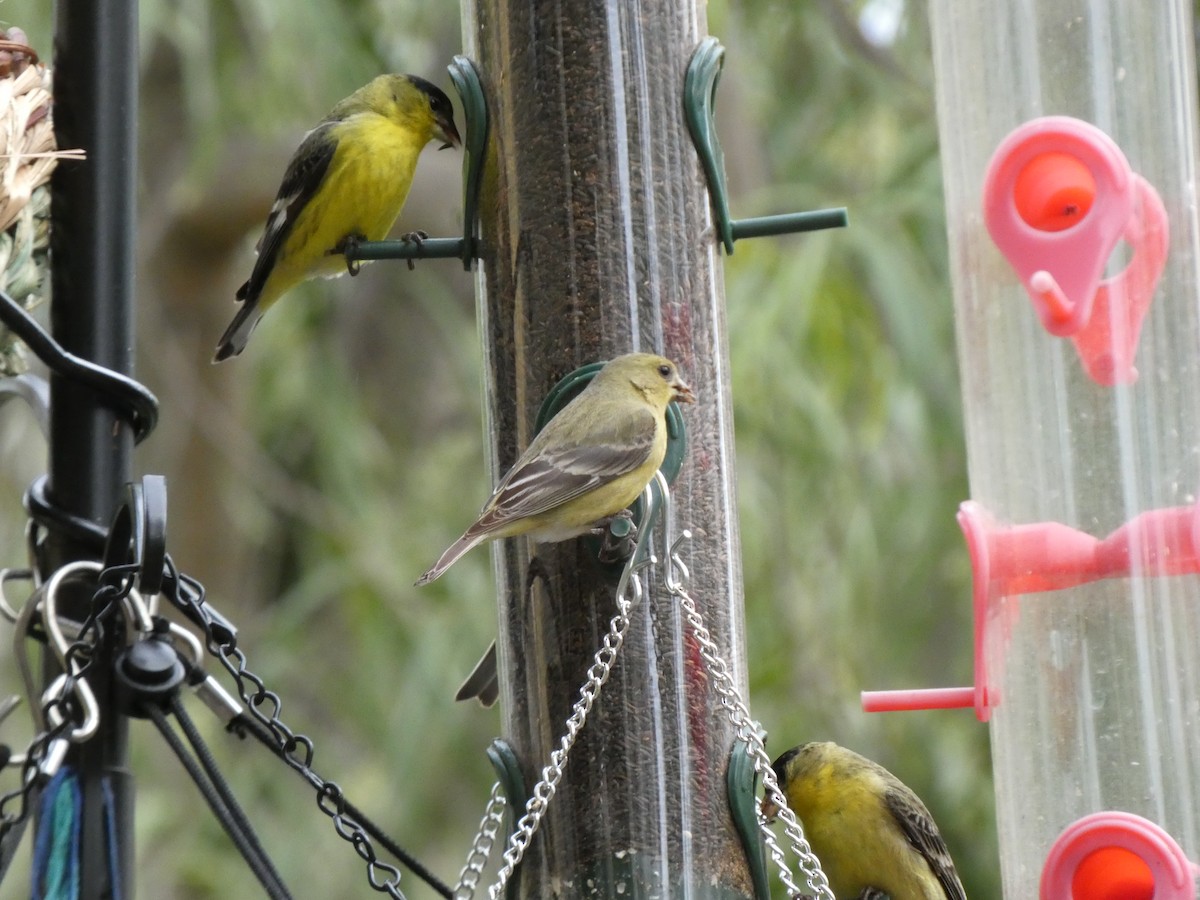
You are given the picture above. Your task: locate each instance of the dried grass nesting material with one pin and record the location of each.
(27, 157)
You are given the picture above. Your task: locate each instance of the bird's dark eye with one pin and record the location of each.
(664, 370)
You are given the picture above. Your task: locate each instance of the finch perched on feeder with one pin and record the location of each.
(872, 834)
(589, 463)
(346, 183)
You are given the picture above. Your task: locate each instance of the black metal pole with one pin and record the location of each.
(91, 315)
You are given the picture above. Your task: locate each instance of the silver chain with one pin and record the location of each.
(676, 579)
(485, 839)
(597, 675)
(543, 791)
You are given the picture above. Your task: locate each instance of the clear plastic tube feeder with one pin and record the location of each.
(1068, 140)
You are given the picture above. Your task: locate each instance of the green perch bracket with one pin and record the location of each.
(699, 104)
(508, 770)
(741, 782)
(470, 92)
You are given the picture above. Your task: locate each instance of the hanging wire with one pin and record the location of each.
(263, 707)
(220, 799)
(242, 723)
(67, 712)
(543, 791)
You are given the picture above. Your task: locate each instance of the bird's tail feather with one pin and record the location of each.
(483, 681)
(452, 555)
(233, 341)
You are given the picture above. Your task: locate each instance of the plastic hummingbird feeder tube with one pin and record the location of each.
(1068, 140)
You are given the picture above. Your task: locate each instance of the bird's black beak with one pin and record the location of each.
(445, 131)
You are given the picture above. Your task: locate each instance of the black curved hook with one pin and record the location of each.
(131, 399)
(138, 534)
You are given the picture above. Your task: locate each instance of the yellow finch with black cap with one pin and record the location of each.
(589, 463)
(347, 182)
(873, 835)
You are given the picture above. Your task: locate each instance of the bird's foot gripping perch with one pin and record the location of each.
(618, 537)
(348, 247)
(414, 237)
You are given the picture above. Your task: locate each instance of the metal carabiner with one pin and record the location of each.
(136, 609)
(180, 635)
(7, 705)
(59, 642)
(87, 702)
(6, 709)
(138, 612)
(50, 620)
(6, 575)
(31, 551)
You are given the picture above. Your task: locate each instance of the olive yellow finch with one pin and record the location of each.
(347, 182)
(589, 463)
(872, 834)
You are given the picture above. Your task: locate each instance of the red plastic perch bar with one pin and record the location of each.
(920, 698)
(1008, 561)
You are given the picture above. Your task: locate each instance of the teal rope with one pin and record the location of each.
(56, 848)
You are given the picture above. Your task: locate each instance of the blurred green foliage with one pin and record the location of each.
(313, 479)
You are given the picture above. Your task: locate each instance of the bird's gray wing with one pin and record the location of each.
(303, 177)
(919, 828)
(548, 478)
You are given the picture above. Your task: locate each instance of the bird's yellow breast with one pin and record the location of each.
(362, 194)
(857, 841)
